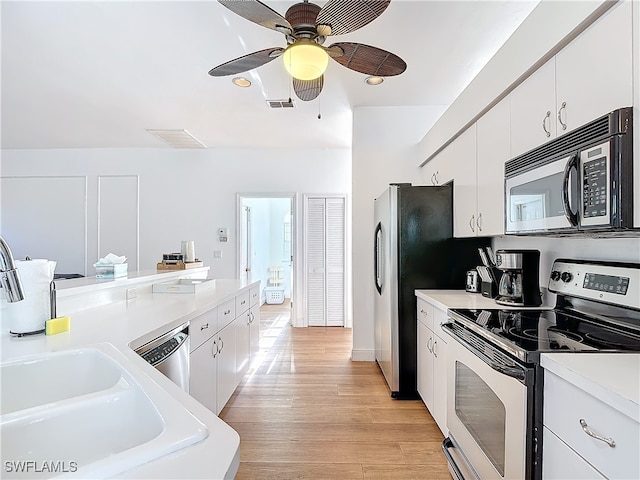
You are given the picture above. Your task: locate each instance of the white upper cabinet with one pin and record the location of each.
(493, 130)
(464, 184)
(588, 78)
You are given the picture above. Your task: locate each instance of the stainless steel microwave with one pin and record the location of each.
(579, 182)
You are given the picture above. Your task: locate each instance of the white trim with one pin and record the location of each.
(363, 355)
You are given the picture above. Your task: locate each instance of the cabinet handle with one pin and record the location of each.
(471, 222)
(435, 344)
(544, 123)
(220, 344)
(562, 107)
(252, 317)
(424, 312)
(479, 222)
(591, 433)
(204, 326)
(429, 342)
(227, 312)
(214, 349)
(435, 176)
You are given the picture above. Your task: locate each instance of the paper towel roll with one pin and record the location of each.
(30, 314)
(189, 250)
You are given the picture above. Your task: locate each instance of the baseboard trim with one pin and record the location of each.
(363, 355)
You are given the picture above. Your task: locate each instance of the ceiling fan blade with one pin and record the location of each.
(257, 12)
(307, 90)
(346, 16)
(369, 60)
(247, 62)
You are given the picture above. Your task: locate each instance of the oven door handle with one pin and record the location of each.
(446, 445)
(566, 204)
(519, 374)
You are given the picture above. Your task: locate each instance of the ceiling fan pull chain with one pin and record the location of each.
(319, 114)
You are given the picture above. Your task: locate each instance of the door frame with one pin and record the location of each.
(293, 197)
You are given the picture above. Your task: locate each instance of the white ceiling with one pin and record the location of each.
(86, 74)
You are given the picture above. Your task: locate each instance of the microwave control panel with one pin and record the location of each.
(594, 169)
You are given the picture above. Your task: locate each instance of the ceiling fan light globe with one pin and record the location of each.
(305, 60)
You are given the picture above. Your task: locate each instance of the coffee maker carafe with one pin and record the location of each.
(519, 284)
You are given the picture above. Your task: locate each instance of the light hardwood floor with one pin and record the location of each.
(306, 411)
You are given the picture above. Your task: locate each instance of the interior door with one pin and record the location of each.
(325, 251)
(245, 244)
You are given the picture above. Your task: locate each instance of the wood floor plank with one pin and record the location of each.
(305, 410)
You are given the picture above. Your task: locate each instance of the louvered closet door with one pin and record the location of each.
(325, 251)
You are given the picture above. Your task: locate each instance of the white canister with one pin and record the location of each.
(30, 314)
(188, 250)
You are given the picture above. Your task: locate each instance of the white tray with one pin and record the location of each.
(184, 285)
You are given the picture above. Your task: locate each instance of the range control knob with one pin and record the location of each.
(566, 277)
(555, 275)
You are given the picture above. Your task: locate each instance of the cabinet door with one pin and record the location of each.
(594, 72)
(203, 376)
(463, 160)
(533, 110)
(493, 151)
(561, 463)
(439, 411)
(243, 332)
(424, 362)
(254, 332)
(226, 365)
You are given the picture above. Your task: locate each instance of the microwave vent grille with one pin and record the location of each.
(569, 143)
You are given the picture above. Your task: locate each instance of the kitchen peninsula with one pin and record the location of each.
(124, 314)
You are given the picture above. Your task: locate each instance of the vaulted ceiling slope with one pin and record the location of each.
(100, 74)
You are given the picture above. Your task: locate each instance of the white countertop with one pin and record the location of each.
(445, 299)
(129, 324)
(613, 378)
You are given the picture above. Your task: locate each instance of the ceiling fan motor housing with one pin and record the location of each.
(302, 17)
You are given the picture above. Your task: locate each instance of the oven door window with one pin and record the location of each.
(535, 198)
(482, 413)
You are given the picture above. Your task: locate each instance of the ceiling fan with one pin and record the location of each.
(305, 27)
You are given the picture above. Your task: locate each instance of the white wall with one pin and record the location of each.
(385, 143)
(183, 194)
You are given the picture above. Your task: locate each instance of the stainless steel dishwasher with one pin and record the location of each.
(169, 353)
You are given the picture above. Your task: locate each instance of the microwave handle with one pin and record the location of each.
(570, 214)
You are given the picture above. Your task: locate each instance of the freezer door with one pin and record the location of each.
(386, 296)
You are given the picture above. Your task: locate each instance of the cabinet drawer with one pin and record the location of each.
(425, 313)
(565, 405)
(559, 462)
(255, 296)
(242, 302)
(202, 328)
(226, 313)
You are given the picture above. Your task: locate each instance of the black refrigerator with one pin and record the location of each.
(414, 249)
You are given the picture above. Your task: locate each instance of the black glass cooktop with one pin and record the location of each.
(530, 332)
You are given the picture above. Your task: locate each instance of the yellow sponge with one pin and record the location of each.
(57, 325)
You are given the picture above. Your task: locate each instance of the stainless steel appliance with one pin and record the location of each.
(579, 182)
(414, 249)
(495, 380)
(473, 281)
(520, 281)
(169, 353)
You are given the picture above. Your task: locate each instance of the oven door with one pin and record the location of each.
(543, 198)
(488, 408)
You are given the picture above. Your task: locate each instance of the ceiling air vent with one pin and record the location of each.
(178, 138)
(280, 103)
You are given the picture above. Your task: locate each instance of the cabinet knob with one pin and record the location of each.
(544, 123)
(563, 107)
(591, 433)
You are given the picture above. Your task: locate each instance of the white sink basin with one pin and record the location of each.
(50, 378)
(120, 420)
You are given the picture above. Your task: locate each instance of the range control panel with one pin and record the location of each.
(613, 283)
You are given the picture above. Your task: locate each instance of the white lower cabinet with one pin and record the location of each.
(432, 368)
(604, 440)
(221, 350)
(562, 463)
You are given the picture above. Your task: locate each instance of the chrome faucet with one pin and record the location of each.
(9, 277)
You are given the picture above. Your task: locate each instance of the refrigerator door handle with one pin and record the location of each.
(379, 260)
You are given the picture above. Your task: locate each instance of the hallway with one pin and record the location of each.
(306, 411)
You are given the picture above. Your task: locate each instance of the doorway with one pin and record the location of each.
(266, 244)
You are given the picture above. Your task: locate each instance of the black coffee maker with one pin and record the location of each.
(520, 283)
